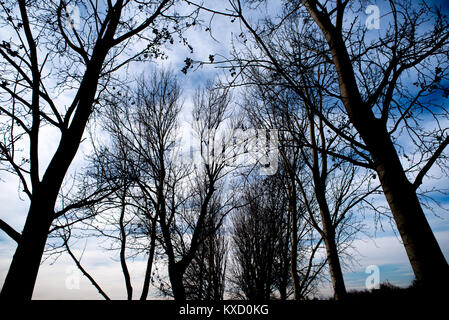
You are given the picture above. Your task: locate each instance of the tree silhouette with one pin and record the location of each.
(46, 52)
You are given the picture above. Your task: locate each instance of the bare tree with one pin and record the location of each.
(122, 218)
(45, 55)
(254, 244)
(143, 125)
(262, 244)
(371, 91)
(210, 112)
(304, 146)
(373, 107)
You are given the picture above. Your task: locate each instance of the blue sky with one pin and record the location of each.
(384, 250)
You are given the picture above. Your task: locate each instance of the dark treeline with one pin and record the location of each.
(314, 118)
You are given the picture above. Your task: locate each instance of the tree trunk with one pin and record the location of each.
(177, 285)
(294, 242)
(21, 278)
(335, 268)
(126, 275)
(426, 258)
(283, 293)
(333, 259)
(284, 265)
(146, 282)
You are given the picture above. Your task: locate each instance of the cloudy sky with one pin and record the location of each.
(59, 279)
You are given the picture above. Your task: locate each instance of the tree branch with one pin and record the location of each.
(16, 236)
(430, 162)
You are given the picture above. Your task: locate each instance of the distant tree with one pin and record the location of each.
(261, 245)
(306, 149)
(185, 227)
(144, 124)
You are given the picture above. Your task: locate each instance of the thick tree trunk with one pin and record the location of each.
(426, 258)
(21, 278)
(177, 285)
(22, 274)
